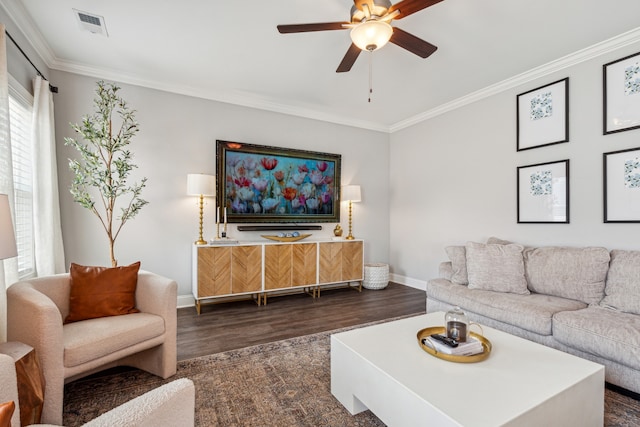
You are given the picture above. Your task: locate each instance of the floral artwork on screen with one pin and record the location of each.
(265, 183)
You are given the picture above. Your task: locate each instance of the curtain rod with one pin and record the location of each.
(52, 88)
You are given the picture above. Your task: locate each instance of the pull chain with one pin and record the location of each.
(370, 74)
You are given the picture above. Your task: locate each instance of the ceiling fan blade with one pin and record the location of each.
(303, 28)
(349, 59)
(408, 7)
(412, 43)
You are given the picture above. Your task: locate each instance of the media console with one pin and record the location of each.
(256, 269)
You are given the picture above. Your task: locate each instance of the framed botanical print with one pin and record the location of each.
(621, 175)
(543, 193)
(543, 116)
(621, 98)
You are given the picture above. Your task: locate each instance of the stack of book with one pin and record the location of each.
(469, 348)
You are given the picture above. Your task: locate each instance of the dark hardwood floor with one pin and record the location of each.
(232, 325)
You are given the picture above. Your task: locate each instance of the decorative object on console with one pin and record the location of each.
(106, 163)
(621, 174)
(621, 98)
(286, 237)
(543, 193)
(338, 231)
(371, 28)
(8, 247)
(351, 193)
(261, 184)
(543, 116)
(201, 185)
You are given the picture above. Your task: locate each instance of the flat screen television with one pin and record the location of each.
(263, 184)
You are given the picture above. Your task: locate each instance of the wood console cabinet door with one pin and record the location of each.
(289, 265)
(277, 266)
(304, 264)
(246, 269)
(214, 271)
(340, 262)
(352, 264)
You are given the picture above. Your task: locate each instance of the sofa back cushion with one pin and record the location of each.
(574, 273)
(622, 291)
(494, 267)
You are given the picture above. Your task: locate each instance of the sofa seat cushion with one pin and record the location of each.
(575, 273)
(533, 312)
(94, 338)
(601, 331)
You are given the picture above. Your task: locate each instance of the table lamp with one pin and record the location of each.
(201, 185)
(8, 247)
(350, 193)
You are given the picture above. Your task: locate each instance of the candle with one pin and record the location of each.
(225, 214)
(216, 214)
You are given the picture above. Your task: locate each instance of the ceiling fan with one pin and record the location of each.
(371, 28)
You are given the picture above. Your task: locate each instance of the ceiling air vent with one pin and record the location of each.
(91, 22)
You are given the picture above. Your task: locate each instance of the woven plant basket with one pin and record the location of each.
(376, 276)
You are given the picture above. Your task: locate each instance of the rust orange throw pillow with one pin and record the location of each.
(6, 412)
(102, 291)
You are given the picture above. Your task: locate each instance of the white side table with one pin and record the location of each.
(376, 276)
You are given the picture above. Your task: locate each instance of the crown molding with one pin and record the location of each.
(586, 54)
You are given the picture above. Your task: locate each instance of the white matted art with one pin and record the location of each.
(543, 193)
(543, 116)
(621, 86)
(621, 171)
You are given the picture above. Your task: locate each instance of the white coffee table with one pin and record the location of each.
(382, 368)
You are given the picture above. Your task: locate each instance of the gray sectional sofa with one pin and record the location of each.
(584, 301)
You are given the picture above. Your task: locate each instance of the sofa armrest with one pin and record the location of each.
(445, 270)
(171, 405)
(9, 389)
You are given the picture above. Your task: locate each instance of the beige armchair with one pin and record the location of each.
(145, 340)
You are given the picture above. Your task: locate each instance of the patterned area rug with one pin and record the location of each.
(284, 383)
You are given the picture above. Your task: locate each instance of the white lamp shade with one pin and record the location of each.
(351, 193)
(371, 35)
(8, 247)
(201, 184)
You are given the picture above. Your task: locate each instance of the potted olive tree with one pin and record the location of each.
(101, 174)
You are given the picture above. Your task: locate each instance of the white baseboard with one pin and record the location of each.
(408, 281)
(186, 301)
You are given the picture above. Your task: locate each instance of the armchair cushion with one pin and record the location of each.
(95, 338)
(101, 291)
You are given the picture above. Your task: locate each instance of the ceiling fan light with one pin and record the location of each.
(371, 35)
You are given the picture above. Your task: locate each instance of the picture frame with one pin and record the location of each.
(543, 193)
(621, 94)
(264, 184)
(621, 185)
(543, 116)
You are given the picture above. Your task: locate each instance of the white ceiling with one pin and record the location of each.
(231, 51)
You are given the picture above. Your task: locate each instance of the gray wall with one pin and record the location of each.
(177, 137)
(453, 177)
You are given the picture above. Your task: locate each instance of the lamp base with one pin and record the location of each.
(349, 237)
(200, 242)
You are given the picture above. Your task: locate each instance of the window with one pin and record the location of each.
(20, 111)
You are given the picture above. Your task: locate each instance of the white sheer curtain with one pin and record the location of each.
(48, 249)
(8, 267)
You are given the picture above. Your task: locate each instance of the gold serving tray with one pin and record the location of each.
(486, 345)
(286, 239)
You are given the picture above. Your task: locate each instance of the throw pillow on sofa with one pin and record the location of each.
(102, 291)
(622, 291)
(574, 273)
(495, 267)
(458, 257)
